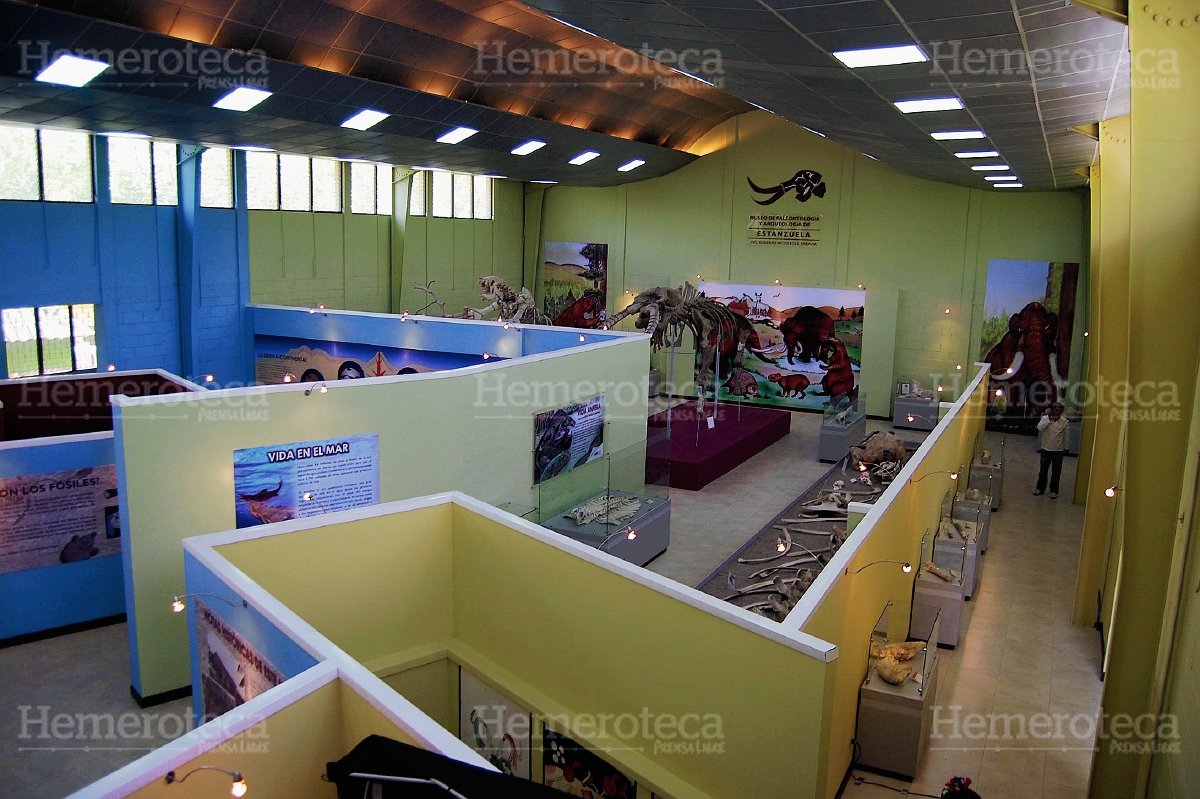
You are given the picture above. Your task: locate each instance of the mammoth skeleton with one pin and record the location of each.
(664, 313)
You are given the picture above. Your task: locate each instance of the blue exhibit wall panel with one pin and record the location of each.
(428, 333)
(36, 600)
(276, 646)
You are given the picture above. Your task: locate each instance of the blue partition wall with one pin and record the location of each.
(42, 599)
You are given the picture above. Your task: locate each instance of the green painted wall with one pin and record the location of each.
(928, 241)
(341, 260)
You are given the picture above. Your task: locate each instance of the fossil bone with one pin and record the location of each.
(782, 548)
(901, 652)
(607, 509)
(937, 571)
(892, 671)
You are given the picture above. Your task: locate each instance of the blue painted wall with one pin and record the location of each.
(131, 262)
(55, 596)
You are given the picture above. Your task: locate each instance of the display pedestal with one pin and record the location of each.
(1074, 436)
(924, 413)
(697, 460)
(651, 529)
(894, 720)
(990, 480)
(932, 593)
(971, 570)
(964, 510)
(836, 438)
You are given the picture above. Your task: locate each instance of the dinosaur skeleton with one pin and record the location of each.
(606, 509)
(507, 303)
(433, 298)
(665, 313)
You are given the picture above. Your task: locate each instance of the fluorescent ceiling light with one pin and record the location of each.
(125, 134)
(495, 177)
(693, 77)
(543, 181)
(71, 70)
(814, 132)
(584, 157)
(531, 146)
(364, 119)
(956, 135)
(977, 154)
(929, 104)
(631, 165)
(868, 155)
(252, 148)
(760, 107)
(572, 25)
(990, 168)
(1004, 178)
(430, 169)
(243, 98)
(459, 134)
(1009, 185)
(881, 56)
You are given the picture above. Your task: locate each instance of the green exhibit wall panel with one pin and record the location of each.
(465, 429)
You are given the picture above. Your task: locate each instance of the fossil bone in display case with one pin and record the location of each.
(843, 423)
(987, 468)
(939, 584)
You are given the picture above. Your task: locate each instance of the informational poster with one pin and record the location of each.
(573, 769)
(232, 672)
(494, 726)
(294, 481)
(805, 349)
(567, 437)
(575, 283)
(279, 359)
(58, 517)
(1029, 318)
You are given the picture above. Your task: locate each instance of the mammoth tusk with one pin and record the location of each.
(1058, 379)
(652, 325)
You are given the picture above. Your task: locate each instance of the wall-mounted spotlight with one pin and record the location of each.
(778, 282)
(905, 566)
(319, 387)
(628, 533)
(320, 306)
(941, 388)
(487, 355)
(947, 310)
(112, 367)
(582, 337)
(861, 287)
(209, 378)
(958, 367)
(953, 475)
(237, 789)
(1087, 333)
(289, 377)
(178, 605)
(1111, 491)
(999, 392)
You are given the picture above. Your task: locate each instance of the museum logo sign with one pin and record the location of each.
(797, 230)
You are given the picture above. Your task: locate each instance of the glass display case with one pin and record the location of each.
(899, 691)
(610, 503)
(963, 524)
(914, 407)
(987, 467)
(939, 585)
(843, 424)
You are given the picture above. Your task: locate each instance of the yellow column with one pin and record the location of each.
(1087, 438)
(1109, 342)
(1164, 304)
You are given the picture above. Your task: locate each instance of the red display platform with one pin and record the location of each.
(735, 439)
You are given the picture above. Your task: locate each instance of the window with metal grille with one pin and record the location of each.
(50, 340)
(451, 195)
(51, 165)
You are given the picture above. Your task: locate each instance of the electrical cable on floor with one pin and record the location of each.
(864, 781)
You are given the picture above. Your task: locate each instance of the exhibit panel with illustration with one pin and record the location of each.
(575, 283)
(567, 437)
(493, 725)
(279, 359)
(231, 670)
(1028, 325)
(805, 346)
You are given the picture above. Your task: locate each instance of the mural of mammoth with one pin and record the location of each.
(804, 331)
(1024, 362)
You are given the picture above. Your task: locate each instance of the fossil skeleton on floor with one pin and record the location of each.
(606, 509)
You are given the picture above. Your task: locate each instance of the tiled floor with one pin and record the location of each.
(1020, 656)
(1020, 653)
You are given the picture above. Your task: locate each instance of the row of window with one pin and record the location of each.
(51, 340)
(450, 195)
(56, 166)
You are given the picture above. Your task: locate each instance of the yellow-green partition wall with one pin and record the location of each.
(433, 436)
(1109, 342)
(1164, 348)
(849, 611)
(563, 636)
(929, 242)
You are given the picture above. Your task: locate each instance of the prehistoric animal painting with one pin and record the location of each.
(575, 283)
(805, 345)
(575, 770)
(279, 359)
(1026, 340)
(805, 183)
(494, 726)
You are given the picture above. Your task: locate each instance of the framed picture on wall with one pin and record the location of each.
(494, 726)
(574, 769)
